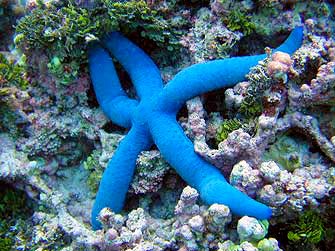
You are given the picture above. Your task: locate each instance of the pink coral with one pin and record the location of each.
(280, 63)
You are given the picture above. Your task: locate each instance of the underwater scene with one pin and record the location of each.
(200, 125)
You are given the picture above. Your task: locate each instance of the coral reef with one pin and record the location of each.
(272, 135)
(150, 166)
(209, 38)
(56, 34)
(57, 228)
(193, 227)
(152, 119)
(267, 164)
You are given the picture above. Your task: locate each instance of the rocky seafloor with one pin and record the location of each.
(272, 136)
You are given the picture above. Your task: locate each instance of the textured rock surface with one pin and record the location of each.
(283, 154)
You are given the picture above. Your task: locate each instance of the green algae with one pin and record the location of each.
(227, 127)
(238, 20)
(309, 228)
(92, 165)
(63, 31)
(287, 152)
(12, 74)
(13, 79)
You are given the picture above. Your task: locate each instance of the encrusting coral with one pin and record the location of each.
(153, 120)
(207, 226)
(286, 161)
(193, 227)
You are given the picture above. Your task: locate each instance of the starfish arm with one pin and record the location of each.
(209, 76)
(212, 186)
(111, 97)
(142, 70)
(119, 172)
(293, 42)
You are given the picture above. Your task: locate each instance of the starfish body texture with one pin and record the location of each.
(152, 120)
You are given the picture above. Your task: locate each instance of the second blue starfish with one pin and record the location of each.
(152, 120)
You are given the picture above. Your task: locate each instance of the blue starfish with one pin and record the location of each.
(152, 120)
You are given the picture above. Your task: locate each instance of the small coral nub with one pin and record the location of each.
(280, 63)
